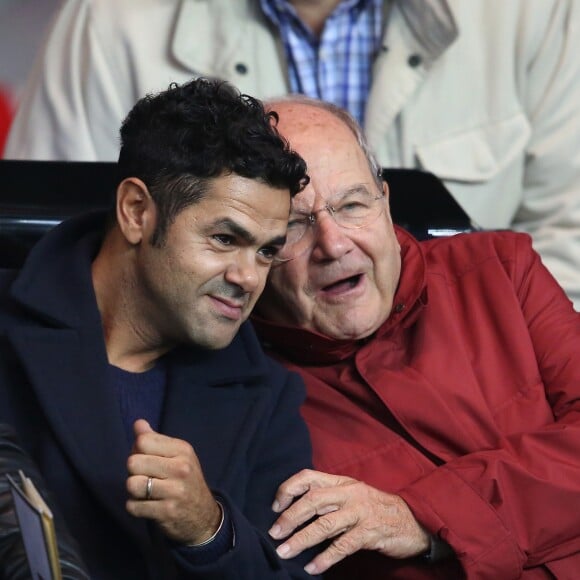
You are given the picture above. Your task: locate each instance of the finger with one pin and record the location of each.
(344, 545)
(138, 486)
(153, 509)
(294, 486)
(142, 426)
(299, 484)
(152, 443)
(149, 465)
(323, 528)
(316, 502)
(160, 489)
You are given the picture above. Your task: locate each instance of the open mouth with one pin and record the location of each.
(343, 285)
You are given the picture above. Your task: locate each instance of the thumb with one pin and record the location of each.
(142, 426)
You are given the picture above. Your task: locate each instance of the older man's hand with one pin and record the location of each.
(356, 515)
(166, 484)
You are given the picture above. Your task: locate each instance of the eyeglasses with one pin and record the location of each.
(354, 209)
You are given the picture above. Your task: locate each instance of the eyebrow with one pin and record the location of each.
(241, 232)
(356, 188)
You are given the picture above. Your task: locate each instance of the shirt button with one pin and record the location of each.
(241, 68)
(415, 60)
(399, 308)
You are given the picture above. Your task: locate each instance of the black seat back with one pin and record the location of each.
(36, 195)
(421, 204)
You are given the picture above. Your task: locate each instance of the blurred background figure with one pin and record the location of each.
(5, 115)
(482, 93)
(22, 27)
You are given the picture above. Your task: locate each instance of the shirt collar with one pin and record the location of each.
(430, 21)
(432, 24)
(275, 10)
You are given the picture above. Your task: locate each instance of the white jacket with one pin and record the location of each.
(494, 112)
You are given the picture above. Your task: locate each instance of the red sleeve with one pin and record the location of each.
(518, 506)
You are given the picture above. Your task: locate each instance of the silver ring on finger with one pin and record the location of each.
(149, 488)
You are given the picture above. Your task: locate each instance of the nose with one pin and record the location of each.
(244, 271)
(330, 240)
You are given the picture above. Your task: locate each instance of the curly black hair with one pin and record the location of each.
(177, 140)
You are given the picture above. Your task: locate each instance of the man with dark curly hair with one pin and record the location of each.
(126, 364)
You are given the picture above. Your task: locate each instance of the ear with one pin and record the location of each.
(387, 193)
(136, 211)
(386, 190)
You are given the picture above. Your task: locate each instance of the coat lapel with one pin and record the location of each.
(211, 399)
(395, 79)
(231, 40)
(68, 371)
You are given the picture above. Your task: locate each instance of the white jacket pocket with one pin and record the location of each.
(477, 155)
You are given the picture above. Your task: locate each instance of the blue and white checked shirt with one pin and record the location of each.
(336, 67)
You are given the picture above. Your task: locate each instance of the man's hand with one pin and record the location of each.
(356, 515)
(180, 500)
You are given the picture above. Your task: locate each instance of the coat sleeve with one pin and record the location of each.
(550, 206)
(517, 505)
(76, 95)
(13, 563)
(284, 449)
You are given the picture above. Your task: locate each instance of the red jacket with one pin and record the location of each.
(466, 402)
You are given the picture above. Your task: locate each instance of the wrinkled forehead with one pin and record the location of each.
(335, 161)
(302, 124)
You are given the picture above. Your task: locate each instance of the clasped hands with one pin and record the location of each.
(355, 515)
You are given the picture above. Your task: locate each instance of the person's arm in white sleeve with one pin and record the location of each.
(76, 97)
(550, 209)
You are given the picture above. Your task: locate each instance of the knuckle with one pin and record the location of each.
(130, 485)
(315, 497)
(131, 464)
(309, 536)
(325, 525)
(345, 545)
(282, 488)
(287, 518)
(129, 507)
(297, 484)
(141, 440)
(184, 447)
(134, 507)
(183, 470)
(172, 509)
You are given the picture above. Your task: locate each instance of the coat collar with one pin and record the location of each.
(221, 38)
(55, 281)
(305, 347)
(430, 22)
(416, 29)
